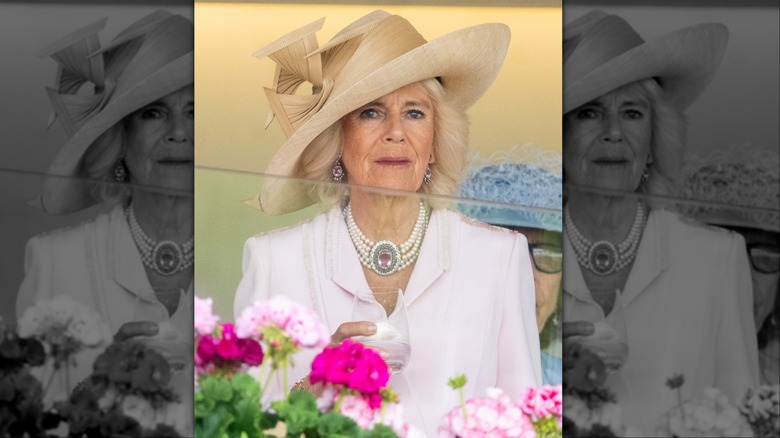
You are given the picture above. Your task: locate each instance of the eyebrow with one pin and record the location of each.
(163, 103)
(406, 104)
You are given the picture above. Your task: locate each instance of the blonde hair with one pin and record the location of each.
(97, 165)
(669, 127)
(450, 148)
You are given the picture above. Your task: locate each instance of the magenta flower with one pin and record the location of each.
(227, 351)
(353, 366)
(253, 352)
(206, 351)
(228, 347)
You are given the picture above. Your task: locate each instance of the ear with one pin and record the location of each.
(432, 158)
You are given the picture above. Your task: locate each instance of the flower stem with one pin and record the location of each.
(462, 403)
(55, 367)
(679, 400)
(284, 377)
(267, 377)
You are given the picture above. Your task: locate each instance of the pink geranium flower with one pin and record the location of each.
(205, 319)
(542, 402)
(300, 324)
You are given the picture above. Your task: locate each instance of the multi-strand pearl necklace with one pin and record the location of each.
(385, 257)
(603, 257)
(165, 257)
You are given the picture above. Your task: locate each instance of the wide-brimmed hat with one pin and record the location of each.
(96, 87)
(524, 176)
(602, 53)
(370, 58)
(742, 183)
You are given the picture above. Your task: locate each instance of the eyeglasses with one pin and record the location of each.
(764, 258)
(547, 258)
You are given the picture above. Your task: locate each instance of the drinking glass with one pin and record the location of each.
(384, 306)
(176, 347)
(609, 339)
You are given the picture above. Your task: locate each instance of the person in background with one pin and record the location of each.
(528, 185)
(744, 181)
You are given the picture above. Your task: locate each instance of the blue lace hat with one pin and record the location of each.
(741, 185)
(523, 186)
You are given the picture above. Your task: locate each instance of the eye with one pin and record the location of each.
(416, 114)
(369, 113)
(587, 114)
(151, 113)
(634, 114)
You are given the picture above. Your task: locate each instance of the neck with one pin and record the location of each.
(164, 217)
(600, 217)
(382, 217)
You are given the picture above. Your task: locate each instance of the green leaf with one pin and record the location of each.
(267, 420)
(217, 388)
(299, 412)
(381, 431)
(334, 425)
(457, 382)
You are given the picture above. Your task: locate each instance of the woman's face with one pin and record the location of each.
(389, 142)
(547, 285)
(606, 142)
(764, 245)
(160, 142)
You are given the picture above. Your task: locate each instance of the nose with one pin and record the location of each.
(178, 131)
(395, 130)
(613, 132)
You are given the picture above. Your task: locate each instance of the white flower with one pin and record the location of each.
(32, 322)
(176, 415)
(108, 399)
(140, 410)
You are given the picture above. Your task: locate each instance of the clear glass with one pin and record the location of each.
(385, 307)
(608, 340)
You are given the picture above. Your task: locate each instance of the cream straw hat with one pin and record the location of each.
(97, 87)
(602, 53)
(371, 57)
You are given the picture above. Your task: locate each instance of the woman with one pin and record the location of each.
(388, 111)
(747, 179)
(528, 185)
(682, 287)
(130, 147)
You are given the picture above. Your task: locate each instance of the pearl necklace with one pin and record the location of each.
(603, 257)
(385, 257)
(165, 257)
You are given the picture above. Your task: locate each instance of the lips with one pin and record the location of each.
(393, 161)
(175, 161)
(611, 161)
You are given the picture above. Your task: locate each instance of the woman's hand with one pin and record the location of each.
(136, 328)
(351, 329)
(578, 328)
(344, 331)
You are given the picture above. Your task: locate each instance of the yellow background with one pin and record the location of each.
(522, 107)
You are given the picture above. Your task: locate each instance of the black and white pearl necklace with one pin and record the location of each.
(385, 257)
(604, 257)
(165, 257)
